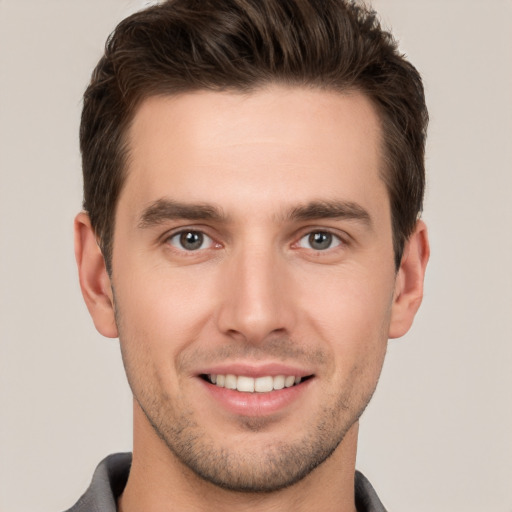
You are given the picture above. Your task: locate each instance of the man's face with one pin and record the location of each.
(253, 246)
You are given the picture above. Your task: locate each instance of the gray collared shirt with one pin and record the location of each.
(111, 475)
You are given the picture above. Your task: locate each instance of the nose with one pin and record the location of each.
(257, 296)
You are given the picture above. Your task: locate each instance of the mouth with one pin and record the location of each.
(245, 384)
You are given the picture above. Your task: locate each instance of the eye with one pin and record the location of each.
(319, 241)
(191, 240)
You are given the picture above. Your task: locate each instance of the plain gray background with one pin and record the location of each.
(438, 434)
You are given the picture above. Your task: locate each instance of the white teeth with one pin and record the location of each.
(245, 384)
(264, 384)
(279, 382)
(250, 385)
(289, 381)
(230, 382)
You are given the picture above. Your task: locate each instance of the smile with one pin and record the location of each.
(244, 384)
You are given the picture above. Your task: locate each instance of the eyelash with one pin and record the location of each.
(176, 240)
(178, 236)
(331, 237)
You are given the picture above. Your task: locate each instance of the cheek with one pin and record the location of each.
(350, 312)
(165, 301)
(159, 315)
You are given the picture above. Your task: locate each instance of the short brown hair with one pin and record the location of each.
(189, 45)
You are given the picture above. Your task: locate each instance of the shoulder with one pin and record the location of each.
(108, 482)
(366, 497)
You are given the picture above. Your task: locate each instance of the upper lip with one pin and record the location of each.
(255, 370)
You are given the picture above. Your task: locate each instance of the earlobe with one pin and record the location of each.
(93, 276)
(409, 281)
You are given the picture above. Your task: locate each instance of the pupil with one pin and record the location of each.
(191, 240)
(320, 240)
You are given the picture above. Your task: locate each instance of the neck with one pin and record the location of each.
(158, 481)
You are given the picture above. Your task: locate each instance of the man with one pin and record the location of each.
(253, 179)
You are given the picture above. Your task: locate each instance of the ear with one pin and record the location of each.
(409, 281)
(93, 276)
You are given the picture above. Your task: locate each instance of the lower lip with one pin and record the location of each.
(256, 404)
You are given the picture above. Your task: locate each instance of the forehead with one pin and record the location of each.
(233, 148)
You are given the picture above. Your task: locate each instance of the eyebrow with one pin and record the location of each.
(335, 209)
(166, 209)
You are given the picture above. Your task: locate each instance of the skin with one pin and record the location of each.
(256, 292)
